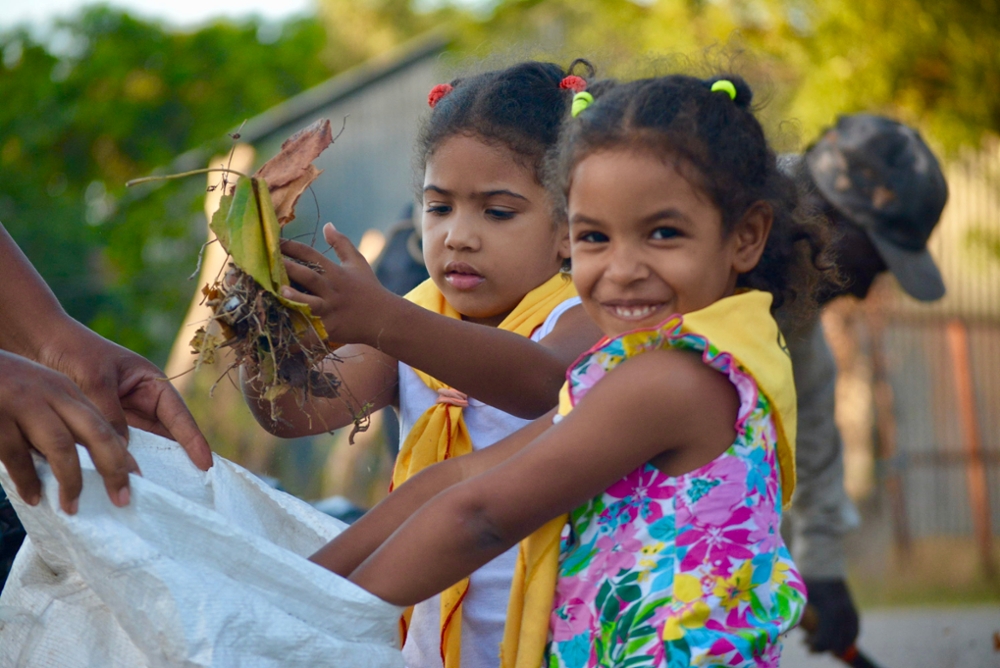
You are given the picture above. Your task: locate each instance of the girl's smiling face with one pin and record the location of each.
(647, 244)
(488, 231)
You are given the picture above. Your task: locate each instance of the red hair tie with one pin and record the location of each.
(574, 83)
(437, 93)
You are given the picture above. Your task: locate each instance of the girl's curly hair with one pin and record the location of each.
(718, 144)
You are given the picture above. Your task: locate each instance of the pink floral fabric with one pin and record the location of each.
(667, 572)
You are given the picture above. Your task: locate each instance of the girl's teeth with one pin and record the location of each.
(633, 311)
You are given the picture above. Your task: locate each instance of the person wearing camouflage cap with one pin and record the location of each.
(882, 192)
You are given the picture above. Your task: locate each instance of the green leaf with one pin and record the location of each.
(249, 231)
(642, 631)
(602, 594)
(625, 623)
(631, 577)
(611, 608)
(784, 609)
(629, 593)
(756, 606)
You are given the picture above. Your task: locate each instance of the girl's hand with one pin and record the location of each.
(348, 297)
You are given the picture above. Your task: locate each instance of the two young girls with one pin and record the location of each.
(649, 502)
(494, 247)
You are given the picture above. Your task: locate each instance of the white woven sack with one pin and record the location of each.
(200, 569)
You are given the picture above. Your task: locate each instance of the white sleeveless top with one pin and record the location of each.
(484, 610)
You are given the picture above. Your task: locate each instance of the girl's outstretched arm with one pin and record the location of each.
(500, 368)
(664, 406)
(348, 550)
(367, 380)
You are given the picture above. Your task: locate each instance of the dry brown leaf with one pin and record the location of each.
(289, 173)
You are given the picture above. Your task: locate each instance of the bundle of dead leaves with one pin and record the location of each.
(280, 343)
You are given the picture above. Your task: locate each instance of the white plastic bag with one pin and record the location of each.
(200, 569)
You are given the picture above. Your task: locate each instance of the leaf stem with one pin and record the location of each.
(168, 177)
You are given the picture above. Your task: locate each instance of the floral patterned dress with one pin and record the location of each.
(678, 571)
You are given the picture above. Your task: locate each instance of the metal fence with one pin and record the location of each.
(933, 373)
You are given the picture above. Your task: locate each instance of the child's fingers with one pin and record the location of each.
(304, 276)
(345, 250)
(315, 304)
(301, 251)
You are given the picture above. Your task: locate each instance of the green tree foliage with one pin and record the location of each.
(931, 63)
(106, 98)
(360, 29)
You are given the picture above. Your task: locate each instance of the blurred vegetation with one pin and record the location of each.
(103, 97)
(930, 63)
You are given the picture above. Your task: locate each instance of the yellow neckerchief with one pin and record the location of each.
(740, 325)
(440, 433)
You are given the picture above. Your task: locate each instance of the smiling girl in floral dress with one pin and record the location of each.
(649, 502)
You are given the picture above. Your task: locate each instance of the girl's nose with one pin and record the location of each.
(462, 235)
(626, 265)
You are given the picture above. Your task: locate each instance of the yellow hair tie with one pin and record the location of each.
(581, 101)
(726, 86)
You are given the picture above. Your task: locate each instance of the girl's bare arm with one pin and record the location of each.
(367, 382)
(500, 368)
(348, 550)
(659, 405)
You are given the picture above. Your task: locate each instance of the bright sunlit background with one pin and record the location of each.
(176, 13)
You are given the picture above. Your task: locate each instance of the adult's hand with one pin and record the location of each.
(45, 410)
(837, 618)
(125, 387)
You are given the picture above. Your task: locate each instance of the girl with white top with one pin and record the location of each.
(480, 348)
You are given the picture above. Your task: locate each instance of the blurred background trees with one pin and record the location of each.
(104, 97)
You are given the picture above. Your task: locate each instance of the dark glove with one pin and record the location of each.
(836, 627)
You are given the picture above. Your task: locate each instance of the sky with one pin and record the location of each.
(179, 13)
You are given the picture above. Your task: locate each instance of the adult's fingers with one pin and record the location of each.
(15, 453)
(47, 432)
(173, 413)
(107, 449)
(341, 245)
(103, 393)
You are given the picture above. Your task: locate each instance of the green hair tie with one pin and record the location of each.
(726, 86)
(581, 101)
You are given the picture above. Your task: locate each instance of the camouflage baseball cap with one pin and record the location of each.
(882, 176)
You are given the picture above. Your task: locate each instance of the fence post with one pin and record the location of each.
(975, 470)
(885, 425)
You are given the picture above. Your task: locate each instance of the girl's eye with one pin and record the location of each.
(438, 209)
(593, 237)
(500, 214)
(665, 233)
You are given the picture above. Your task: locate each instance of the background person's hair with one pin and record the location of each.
(520, 107)
(718, 144)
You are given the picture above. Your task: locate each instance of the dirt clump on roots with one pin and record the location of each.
(281, 346)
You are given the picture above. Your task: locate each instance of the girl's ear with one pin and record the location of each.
(564, 246)
(750, 235)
